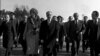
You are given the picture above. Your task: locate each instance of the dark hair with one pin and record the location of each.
(33, 10)
(75, 14)
(96, 13)
(60, 17)
(69, 17)
(48, 12)
(85, 17)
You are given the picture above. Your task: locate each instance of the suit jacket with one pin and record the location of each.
(44, 29)
(21, 27)
(61, 31)
(66, 31)
(1, 28)
(8, 33)
(66, 28)
(21, 30)
(98, 34)
(14, 28)
(48, 33)
(92, 29)
(84, 33)
(75, 29)
(16, 25)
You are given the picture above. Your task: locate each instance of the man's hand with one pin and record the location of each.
(65, 35)
(23, 37)
(16, 38)
(77, 31)
(57, 39)
(42, 41)
(37, 30)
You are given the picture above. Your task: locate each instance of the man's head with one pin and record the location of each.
(7, 17)
(49, 14)
(54, 18)
(25, 18)
(59, 18)
(75, 15)
(12, 15)
(95, 15)
(85, 18)
(70, 18)
(42, 19)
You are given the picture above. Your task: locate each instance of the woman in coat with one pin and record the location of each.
(31, 33)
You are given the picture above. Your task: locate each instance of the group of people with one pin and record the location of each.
(20, 28)
(31, 31)
(87, 31)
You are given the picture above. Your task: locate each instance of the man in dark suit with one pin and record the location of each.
(74, 33)
(13, 19)
(84, 34)
(1, 21)
(48, 34)
(42, 19)
(66, 31)
(92, 32)
(21, 30)
(61, 31)
(8, 33)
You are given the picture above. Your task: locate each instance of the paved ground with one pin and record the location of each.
(62, 52)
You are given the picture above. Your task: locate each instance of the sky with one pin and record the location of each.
(64, 8)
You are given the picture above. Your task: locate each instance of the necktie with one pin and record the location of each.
(76, 23)
(76, 26)
(95, 22)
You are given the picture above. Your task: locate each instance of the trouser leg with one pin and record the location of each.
(8, 51)
(78, 44)
(91, 49)
(60, 43)
(73, 48)
(97, 48)
(67, 46)
(45, 50)
(83, 45)
(54, 51)
(24, 46)
(96, 53)
(57, 47)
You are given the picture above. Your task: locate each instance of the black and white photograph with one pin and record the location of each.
(49, 27)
